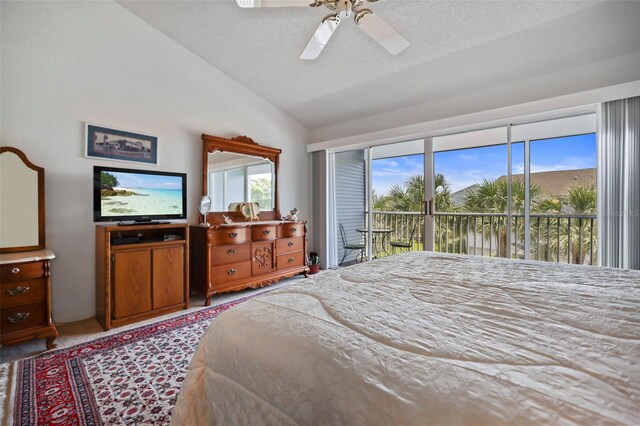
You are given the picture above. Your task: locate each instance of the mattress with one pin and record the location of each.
(425, 338)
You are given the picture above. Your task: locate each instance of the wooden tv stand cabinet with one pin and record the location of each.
(141, 272)
(237, 256)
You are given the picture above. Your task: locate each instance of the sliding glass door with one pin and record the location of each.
(520, 192)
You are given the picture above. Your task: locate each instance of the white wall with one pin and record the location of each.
(67, 63)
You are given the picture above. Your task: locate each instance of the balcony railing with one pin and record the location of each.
(563, 238)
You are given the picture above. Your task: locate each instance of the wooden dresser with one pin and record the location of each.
(238, 256)
(25, 299)
(141, 272)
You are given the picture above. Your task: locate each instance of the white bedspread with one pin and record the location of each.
(423, 338)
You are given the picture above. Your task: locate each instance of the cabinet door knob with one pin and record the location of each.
(17, 291)
(266, 231)
(15, 270)
(291, 259)
(290, 244)
(231, 271)
(233, 234)
(20, 316)
(231, 251)
(294, 229)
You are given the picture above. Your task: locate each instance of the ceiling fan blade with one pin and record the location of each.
(381, 32)
(320, 38)
(275, 3)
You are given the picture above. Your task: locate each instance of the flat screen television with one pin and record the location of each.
(138, 195)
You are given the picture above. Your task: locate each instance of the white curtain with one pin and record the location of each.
(332, 222)
(619, 184)
(320, 227)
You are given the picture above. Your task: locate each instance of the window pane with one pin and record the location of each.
(563, 199)
(472, 183)
(517, 201)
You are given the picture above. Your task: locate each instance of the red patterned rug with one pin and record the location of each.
(131, 377)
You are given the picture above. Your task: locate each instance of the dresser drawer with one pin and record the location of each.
(289, 230)
(290, 260)
(22, 292)
(220, 237)
(23, 317)
(231, 272)
(289, 245)
(222, 255)
(263, 232)
(20, 271)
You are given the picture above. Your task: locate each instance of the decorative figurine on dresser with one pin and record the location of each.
(236, 251)
(25, 297)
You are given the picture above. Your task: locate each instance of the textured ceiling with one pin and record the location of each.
(455, 47)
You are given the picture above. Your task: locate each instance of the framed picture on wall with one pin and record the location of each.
(120, 145)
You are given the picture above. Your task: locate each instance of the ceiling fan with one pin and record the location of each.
(370, 23)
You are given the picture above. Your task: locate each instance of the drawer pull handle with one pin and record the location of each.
(291, 259)
(294, 229)
(266, 231)
(231, 271)
(15, 270)
(290, 244)
(233, 234)
(20, 316)
(231, 251)
(18, 290)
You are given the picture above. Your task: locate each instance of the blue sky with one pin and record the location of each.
(130, 180)
(463, 168)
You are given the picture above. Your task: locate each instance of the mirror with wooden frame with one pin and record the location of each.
(237, 171)
(21, 202)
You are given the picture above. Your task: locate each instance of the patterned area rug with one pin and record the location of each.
(131, 377)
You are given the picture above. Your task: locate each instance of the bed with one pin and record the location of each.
(426, 338)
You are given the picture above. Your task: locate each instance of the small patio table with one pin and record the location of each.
(379, 239)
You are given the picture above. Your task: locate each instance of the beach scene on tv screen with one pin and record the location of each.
(132, 194)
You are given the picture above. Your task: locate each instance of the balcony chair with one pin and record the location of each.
(408, 245)
(349, 247)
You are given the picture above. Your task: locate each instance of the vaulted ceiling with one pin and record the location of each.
(457, 47)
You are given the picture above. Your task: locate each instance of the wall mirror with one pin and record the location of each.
(237, 171)
(21, 203)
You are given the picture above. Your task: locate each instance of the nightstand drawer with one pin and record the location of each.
(20, 271)
(291, 260)
(22, 317)
(231, 272)
(289, 245)
(223, 255)
(23, 292)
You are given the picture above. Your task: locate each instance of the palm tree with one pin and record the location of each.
(379, 202)
(443, 198)
(490, 196)
(409, 197)
(580, 200)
